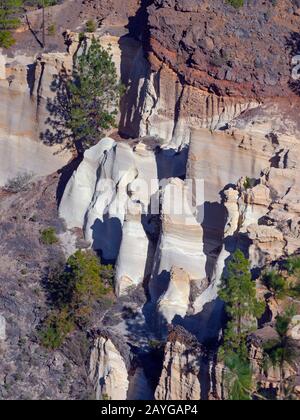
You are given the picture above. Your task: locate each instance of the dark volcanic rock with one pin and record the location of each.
(213, 43)
(27, 370)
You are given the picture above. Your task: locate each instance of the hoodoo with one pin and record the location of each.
(149, 201)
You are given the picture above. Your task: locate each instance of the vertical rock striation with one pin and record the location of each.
(107, 370)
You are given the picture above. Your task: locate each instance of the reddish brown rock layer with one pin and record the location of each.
(245, 52)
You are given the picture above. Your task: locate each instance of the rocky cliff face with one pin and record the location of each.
(269, 377)
(201, 108)
(180, 378)
(107, 370)
(192, 373)
(29, 142)
(28, 370)
(268, 213)
(218, 48)
(205, 161)
(207, 65)
(189, 371)
(25, 89)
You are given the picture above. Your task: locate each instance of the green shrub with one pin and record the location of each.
(10, 11)
(55, 329)
(294, 291)
(238, 292)
(73, 290)
(249, 183)
(276, 284)
(90, 26)
(83, 275)
(51, 29)
(48, 236)
(236, 3)
(6, 39)
(293, 265)
(107, 274)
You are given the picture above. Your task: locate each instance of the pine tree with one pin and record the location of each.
(238, 377)
(9, 20)
(238, 292)
(94, 94)
(282, 351)
(73, 290)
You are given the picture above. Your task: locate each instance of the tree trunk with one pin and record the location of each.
(44, 35)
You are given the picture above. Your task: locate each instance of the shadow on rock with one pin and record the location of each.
(107, 238)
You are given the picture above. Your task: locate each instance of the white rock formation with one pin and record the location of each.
(231, 227)
(181, 238)
(131, 264)
(107, 371)
(267, 244)
(179, 379)
(24, 91)
(80, 190)
(112, 178)
(220, 158)
(175, 300)
(254, 205)
(268, 213)
(185, 365)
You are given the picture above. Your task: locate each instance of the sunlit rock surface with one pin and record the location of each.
(107, 371)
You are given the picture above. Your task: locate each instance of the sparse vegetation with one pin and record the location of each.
(9, 20)
(248, 183)
(48, 236)
(155, 344)
(107, 274)
(55, 329)
(238, 291)
(73, 292)
(90, 26)
(238, 377)
(293, 268)
(293, 265)
(51, 30)
(286, 283)
(20, 182)
(281, 352)
(6, 39)
(236, 3)
(276, 284)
